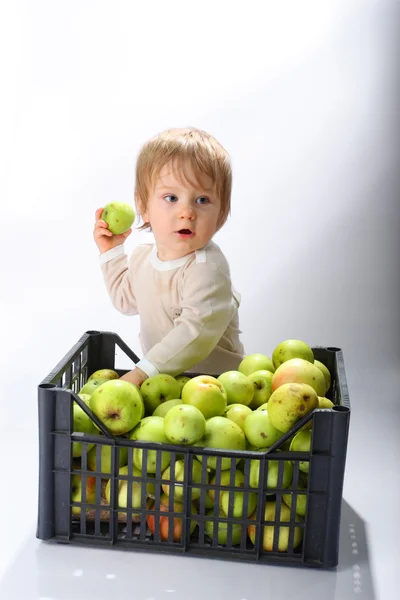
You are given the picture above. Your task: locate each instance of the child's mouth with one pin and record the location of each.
(185, 233)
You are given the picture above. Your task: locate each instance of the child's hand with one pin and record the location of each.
(137, 376)
(105, 240)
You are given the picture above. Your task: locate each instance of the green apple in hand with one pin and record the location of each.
(119, 216)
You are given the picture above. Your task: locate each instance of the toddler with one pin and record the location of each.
(180, 286)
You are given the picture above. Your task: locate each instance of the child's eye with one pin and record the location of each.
(202, 200)
(170, 198)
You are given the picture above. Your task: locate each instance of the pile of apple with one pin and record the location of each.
(247, 409)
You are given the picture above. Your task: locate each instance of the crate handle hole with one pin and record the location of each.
(334, 349)
(47, 386)
(340, 408)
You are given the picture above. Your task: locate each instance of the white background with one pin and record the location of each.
(302, 95)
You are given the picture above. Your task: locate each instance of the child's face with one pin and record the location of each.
(183, 218)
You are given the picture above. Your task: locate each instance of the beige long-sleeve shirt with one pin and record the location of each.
(188, 308)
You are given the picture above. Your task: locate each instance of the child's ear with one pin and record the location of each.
(140, 207)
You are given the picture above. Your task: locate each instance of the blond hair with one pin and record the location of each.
(190, 150)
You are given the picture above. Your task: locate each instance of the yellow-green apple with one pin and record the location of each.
(262, 384)
(272, 474)
(222, 529)
(164, 522)
(324, 402)
(238, 498)
(136, 496)
(301, 442)
(91, 386)
(326, 374)
(255, 362)
(207, 394)
(163, 408)
(289, 403)
(237, 413)
(104, 374)
(291, 349)
(184, 424)
(222, 433)
(259, 430)
(179, 488)
(301, 501)
(297, 370)
(239, 389)
(78, 496)
(269, 530)
(182, 380)
(150, 429)
(105, 452)
(158, 389)
(83, 423)
(119, 216)
(118, 404)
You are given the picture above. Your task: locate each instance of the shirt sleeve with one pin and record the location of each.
(119, 279)
(208, 306)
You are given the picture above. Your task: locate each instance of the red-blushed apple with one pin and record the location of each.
(164, 522)
(291, 349)
(118, 404)
(77, 492)
(297, 370)
(256, 362)
(207, 394)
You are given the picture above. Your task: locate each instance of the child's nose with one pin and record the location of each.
(187, 212)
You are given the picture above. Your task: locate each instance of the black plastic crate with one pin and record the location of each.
(187, 527)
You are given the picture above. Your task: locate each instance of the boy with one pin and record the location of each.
(180, 286)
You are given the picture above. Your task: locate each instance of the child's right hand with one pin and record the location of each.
(104, 238)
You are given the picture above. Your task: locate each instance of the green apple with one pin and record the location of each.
(150, 429)
(207, 394)
(238, 498)
(163, 408)
(262, 382)
(326, 374)
(237, 413)
(297, 370)
(118, 404)
(283, 532)
(225, 434)
(272, 474)
(136, 495)
(104, 374)
(106, 464)
(259, 430)
(222, 528)
(289, 403)
(83, 423)
(301, 501)
(158, 389)
(184, 424)
(119, 216)
(91, 386)
(76, 492)
(301, 442)
(182, 380)
(256, 362)
(239, 389)
(324, 402)
(179, 488)
(291, 349)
